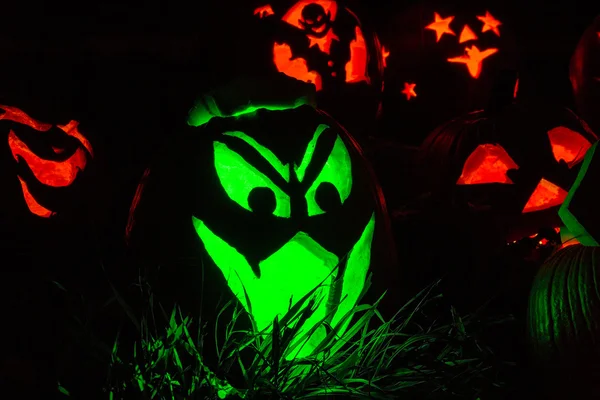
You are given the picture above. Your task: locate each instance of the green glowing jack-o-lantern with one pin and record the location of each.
(282, 202)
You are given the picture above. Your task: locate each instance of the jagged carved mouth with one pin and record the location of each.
(289, 274)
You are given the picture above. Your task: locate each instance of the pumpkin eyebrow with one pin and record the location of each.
(310, 150)
(267, 154)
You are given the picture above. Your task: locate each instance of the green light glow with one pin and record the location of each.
(337, 171)
(283, 170)
(238, 178)
(289, 274)
(577, 229)
(310, 150)
(271, 107)
(355, 275)
(207, 109)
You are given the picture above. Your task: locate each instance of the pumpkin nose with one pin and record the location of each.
(545, 195)
(467, 35)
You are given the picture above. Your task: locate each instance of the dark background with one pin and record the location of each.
(165, 53)
(129, 70)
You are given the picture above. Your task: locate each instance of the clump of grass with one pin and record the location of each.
(373, 358)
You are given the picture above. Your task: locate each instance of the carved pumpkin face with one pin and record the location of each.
(585, 75)
(49, 158)
(323, 43)
(274, 215)
(518, 164)
(441, 52)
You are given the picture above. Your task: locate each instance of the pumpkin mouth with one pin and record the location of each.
(289, 274)
(47, 170)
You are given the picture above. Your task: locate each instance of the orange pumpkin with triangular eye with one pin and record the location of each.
(516, 165)
(49, 159)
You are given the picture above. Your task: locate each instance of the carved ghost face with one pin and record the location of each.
(282, 204)
(49, 158)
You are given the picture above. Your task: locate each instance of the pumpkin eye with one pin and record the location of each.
(333, 184)
(545, 195)
(489, 163)
(247, 186)
(568, 145)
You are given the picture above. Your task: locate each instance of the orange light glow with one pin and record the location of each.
(294, 15)
(356, 68)
(440, 26)
(473, 59)
(568, 145)
(466, 35)
(48, 172)
(490, 23)
(545, 195)
(543, 242)
(35, 207)
(264, 11)
(489, 163)
(324, 43)
(409, 90)
(385, 53)
(516, 90)
(15, 115)
(136, 200)
(295, 68)
(72, 130)
(570, 242)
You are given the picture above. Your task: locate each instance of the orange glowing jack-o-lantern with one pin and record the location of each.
(518, 164)
(324, 43)
(47, 156)
(453, 53)
(585, 75)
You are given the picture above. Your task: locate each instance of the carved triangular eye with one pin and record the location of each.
(568, 145)
(488, 163)
(545, 195)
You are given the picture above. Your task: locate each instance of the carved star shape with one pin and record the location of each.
(490, 23)
(409, 90)
(440, 26)
(324, 43)
(473, 59)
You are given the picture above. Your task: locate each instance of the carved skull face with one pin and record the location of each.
(315, 21)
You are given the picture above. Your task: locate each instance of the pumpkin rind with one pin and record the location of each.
(187, 204)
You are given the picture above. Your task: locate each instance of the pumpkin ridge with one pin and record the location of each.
(553, 324)
(584, 297)
(594, 273)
